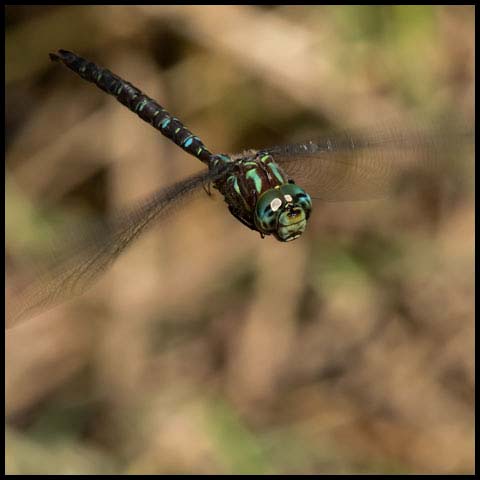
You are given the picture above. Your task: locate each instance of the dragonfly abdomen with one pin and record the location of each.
(136, 101)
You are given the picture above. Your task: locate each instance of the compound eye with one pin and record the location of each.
(294, 194)
(267, 209)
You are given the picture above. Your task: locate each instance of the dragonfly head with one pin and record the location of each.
(283, 211)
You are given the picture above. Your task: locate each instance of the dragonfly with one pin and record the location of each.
(269, 190)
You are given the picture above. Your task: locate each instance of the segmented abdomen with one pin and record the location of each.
(135, 100)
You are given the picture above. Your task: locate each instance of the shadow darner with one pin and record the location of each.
(270, 190)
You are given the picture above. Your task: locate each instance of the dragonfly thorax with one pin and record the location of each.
(261, 196)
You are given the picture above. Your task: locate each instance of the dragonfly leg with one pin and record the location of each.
(207, 187)
(237, 215)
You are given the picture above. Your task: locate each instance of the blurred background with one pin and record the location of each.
(206, 349)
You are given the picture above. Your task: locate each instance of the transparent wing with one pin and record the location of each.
(370, 164)
(79, 264)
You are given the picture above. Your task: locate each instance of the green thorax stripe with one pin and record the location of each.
(252, 174)
(274, 168)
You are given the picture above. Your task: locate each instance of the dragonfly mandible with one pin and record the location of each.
(269, 190)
